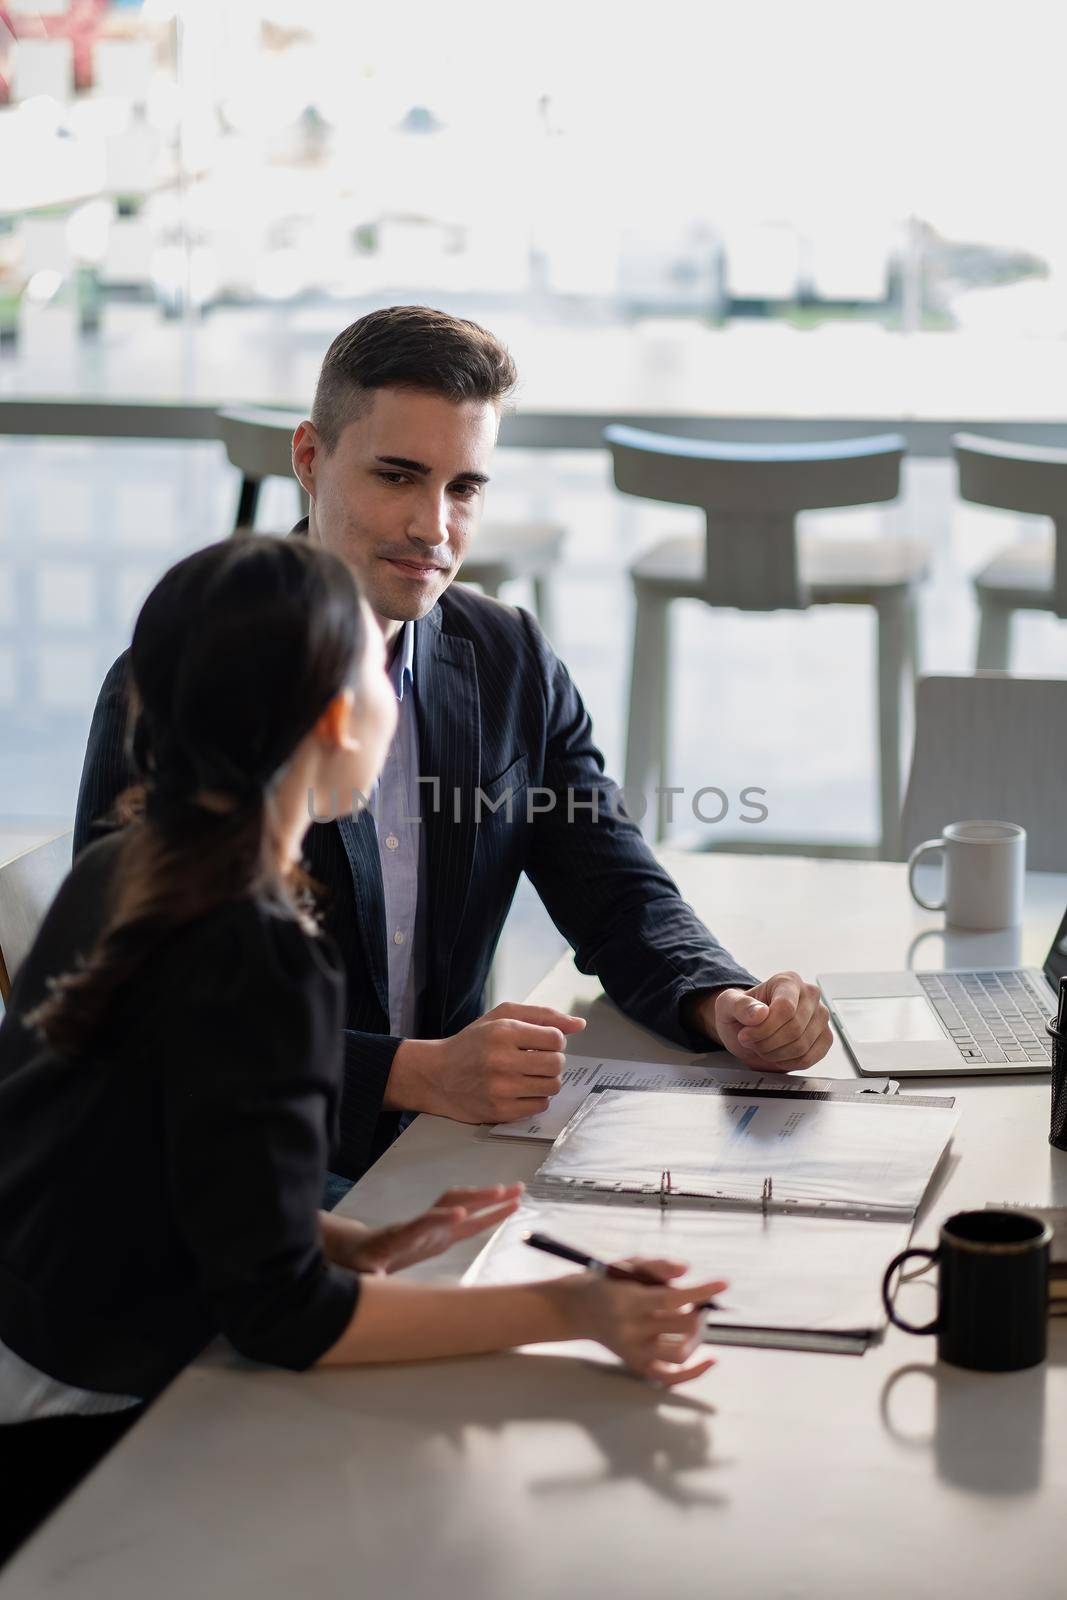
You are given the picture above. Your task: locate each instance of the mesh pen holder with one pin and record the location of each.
(1058, 1128)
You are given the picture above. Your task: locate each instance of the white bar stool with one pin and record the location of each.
(751, 558)
(259, 443)
(1030, 575)
(506, 551)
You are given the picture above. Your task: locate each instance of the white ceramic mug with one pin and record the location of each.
(985, 866)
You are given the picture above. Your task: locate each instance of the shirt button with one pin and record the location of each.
(392, 842)
(398, 937)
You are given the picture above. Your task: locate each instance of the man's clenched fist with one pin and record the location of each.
(781, 1025)
(504, 1066)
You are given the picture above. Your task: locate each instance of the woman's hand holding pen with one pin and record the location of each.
(653, 1327)
(455, 1215)
(653, 1330)
(650, 1324)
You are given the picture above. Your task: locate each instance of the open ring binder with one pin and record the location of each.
(573, 1170)
(797, 1201)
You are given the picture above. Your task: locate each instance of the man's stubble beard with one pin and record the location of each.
(385, 605)
(391, 603)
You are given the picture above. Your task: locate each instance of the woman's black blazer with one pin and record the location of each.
(164, 1185)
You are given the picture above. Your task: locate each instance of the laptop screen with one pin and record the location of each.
(1056, 960)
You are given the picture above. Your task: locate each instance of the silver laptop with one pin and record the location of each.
(930, 1024)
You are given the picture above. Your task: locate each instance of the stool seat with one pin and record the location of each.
(503, 551)
(834, 571)
(1021, 576)
(520, 548)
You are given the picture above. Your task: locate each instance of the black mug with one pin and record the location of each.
(992, 1290)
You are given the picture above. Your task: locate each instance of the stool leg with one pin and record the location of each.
(544, 607)
(914, 662)
(994, 636)
(246, 504)
(649, 715)
(894, 633)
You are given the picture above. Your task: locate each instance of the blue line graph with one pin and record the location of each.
(743, 1121)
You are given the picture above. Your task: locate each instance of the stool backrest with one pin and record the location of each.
(990, 747)
(751, 495)
(28, 885)
(259, 443)
(1016, 477)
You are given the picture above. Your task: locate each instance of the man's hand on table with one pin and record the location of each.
(504, 1066)
(780, 1025)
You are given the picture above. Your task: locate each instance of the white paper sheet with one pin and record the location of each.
(865, 1154)
(821, 1274)
(583, 1073)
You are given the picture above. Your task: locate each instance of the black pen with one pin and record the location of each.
(1061, 1011)
(566, 1252)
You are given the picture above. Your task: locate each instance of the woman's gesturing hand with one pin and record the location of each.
(654, 1330)
(457, 1214)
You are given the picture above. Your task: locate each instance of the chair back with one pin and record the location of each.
(750, 496)
(990, 747)
(1013, 477)
(28, 885)
(259, 443)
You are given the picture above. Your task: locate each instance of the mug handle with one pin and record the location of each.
(913, 861)
(898, 1261)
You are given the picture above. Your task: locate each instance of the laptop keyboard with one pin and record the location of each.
(991, 1016)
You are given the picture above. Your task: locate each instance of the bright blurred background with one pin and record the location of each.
(734, 175)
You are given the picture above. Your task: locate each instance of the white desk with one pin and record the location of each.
(778, 1474)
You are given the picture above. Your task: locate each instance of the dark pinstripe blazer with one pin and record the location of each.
(497, 712)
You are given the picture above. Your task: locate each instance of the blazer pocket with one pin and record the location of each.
(502, 797)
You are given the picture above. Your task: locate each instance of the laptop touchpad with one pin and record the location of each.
(890, 1021)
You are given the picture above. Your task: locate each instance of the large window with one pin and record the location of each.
(761, 207)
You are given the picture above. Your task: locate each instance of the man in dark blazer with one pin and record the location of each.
(494, 772)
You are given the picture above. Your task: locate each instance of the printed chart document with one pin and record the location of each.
(794, 1281)
(585, 1073)
(859, 1155)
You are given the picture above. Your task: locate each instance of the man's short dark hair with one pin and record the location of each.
(408, 347)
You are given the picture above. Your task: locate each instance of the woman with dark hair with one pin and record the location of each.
(170, 1065)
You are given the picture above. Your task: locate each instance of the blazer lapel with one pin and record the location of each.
(360, 839)
(449, 721)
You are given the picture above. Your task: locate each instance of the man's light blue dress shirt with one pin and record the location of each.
(395, 807)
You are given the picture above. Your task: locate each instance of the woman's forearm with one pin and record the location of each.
(340, 1235)
(398, 1321)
